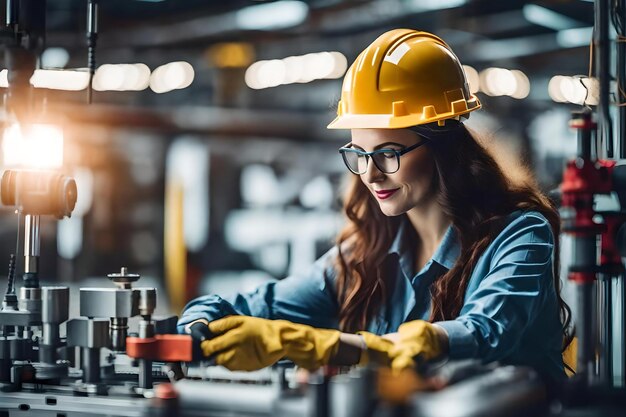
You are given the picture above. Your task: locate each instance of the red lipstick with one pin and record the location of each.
(385, 194)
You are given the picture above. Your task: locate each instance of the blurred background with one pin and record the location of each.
(204, 163)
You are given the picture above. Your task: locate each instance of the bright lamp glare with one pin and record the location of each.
(33, 146)
(4, 78)
(296, 69)
(504, 82)
(121, 77)
(572, 38)
(545, 17)
(172, 76)
(60, 79)
(577, 90)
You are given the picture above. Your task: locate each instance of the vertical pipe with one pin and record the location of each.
(605, 324)
(92, 37)
(621, 77)
(586, 345)
(622, 323)
(91, 365)
(31, 244)
(602, 61)
(11, 14)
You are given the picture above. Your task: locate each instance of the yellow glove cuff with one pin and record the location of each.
(376, 349)
(418, 338)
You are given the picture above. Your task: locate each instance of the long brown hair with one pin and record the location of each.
(473, 192)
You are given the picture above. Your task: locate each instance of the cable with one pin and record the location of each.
(10, 299)
(13, 258)
(92, 37)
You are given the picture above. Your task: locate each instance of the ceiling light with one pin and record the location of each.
(172, 76)
(60, 79)
(55, 58)
(425, 5)
(547, 18)
(296, 69)
(272, 16)
(554, 89)
(571, 38)
(523, 85)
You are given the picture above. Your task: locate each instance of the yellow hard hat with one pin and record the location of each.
(404, 78)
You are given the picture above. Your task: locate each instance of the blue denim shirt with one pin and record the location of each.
(510, 313)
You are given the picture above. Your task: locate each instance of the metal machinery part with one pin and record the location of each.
(115, 303)
(147, 304)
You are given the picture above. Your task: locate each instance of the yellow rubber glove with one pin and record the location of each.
(248, 343)
(417, 338)
(377, 349)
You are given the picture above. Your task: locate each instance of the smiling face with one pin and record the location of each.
(412, 185)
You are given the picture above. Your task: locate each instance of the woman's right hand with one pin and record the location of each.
(393, 337)
(377, 349)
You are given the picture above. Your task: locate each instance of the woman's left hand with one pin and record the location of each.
(415, 339)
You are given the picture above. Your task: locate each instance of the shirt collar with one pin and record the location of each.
(446, 254)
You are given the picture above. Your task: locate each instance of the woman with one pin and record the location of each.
(442, 254)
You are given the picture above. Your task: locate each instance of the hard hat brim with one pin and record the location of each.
(389, 121)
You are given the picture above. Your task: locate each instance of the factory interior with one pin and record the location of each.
(168, 169)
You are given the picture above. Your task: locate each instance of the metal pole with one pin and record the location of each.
(602, 54)
(92, 37)
(621, 76)
(622, 322)
(31, 244)
(605, 313)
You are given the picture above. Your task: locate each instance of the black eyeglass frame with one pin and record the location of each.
(398, 153)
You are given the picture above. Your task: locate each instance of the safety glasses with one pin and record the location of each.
(386, 160)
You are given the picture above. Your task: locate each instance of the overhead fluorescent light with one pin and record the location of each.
(276, 15)
(60, 79)
(425, 5)
(571, 38)
(548, 18)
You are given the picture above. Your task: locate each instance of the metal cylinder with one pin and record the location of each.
(5, 370)
(585, 327)
(119, 331)
(31, 243)
(91, 365)
(622, 329)
(55, 304)
(147, 301)
(145, 374)
(605, 330)
(30, 299)
(584, 252)
(92, 16)
(146, 329)
(602, 57)
(51, 334)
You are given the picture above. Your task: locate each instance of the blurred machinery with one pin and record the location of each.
(599, 235)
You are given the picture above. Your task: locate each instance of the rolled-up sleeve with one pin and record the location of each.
(510, 293)
(307, 298)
